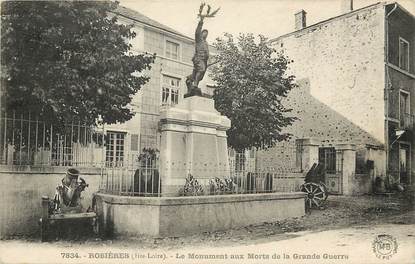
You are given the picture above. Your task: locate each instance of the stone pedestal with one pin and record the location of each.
(193, 141)
(309, 152)
(349, 167)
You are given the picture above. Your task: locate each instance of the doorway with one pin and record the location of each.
(404, 163)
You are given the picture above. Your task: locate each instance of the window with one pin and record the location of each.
(170, 91)
(404, 107)
(327, 157)
(403, 54)
(115, 149)
(172, 50)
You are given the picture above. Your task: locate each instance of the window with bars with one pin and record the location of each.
(172, 50)
(403, 54)
(170, 92)
(327, 157)
(115, 148)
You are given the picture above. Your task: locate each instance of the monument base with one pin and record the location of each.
(193, 141)
(197, 92)
(194, 91)
(182, 216)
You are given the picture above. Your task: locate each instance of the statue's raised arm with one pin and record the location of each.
(198, 32)
(201, 55)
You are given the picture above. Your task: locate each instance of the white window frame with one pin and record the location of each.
(179, 56)
(170, 90)
(407, 55)
(117, 160)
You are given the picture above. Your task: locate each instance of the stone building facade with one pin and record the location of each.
(356, 91)
(400, 93)
(166, 87)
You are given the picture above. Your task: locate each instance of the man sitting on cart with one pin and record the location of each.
(68, 193)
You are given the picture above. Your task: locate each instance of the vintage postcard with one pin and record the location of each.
(217, 131)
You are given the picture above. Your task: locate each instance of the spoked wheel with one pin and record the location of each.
(316, 194)
(326, 191)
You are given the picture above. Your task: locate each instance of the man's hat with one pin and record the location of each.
(72, 173)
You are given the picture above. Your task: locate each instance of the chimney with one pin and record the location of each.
(300, 20)
(347, 6)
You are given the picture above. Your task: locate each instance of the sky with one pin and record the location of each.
(270, 18)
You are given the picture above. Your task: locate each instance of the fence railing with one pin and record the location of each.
(245, 174)
(26, 140)
(134, 178)
(143, 179)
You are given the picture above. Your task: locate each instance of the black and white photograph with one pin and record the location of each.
(207, 131)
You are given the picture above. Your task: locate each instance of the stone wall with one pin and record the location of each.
(339, 68)
(21, 189)
(361, 184)
(179, 216)
(284, 157)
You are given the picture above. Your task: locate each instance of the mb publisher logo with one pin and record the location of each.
(384, 246)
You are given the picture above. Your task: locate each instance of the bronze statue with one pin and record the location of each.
(201, 56)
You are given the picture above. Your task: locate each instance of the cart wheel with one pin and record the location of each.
(326, 190)
(316, 194)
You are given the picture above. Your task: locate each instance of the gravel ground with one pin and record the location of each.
(339, 212)
(346, 226)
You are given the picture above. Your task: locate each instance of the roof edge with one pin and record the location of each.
(328, 20)
(153, 26)
(402, 8)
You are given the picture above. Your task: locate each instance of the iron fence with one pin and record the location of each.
(142, 178)
(26, 140)
(134, 178)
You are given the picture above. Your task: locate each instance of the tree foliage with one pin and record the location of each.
(66, 59)
(251, 81)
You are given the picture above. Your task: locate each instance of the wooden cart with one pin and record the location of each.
(50, 218)
(314, 187)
